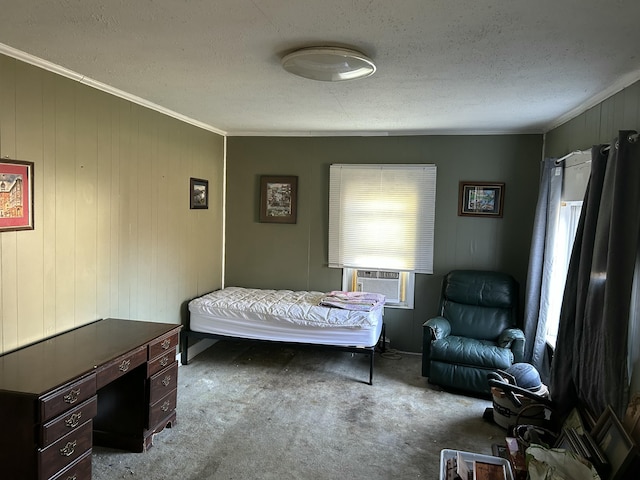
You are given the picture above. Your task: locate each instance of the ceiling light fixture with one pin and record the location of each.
(328, 64)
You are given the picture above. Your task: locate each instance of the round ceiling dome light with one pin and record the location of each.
(328, 64)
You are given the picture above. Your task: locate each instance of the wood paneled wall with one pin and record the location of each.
(114, 235)
(599, 124)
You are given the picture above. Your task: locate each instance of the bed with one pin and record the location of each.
(285, 316)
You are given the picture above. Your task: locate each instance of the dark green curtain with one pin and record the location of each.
(590, 361)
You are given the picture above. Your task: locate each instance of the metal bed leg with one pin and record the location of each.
(371, 355)
(373, 351)
(184, 348)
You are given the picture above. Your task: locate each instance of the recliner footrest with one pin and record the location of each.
(460, 377)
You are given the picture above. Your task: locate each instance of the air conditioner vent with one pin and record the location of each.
(383, 282)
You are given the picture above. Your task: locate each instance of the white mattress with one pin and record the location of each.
(283, 315)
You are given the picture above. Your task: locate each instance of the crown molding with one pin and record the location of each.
(619, 85)
(65, 72)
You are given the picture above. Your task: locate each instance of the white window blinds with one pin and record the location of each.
(382, 217)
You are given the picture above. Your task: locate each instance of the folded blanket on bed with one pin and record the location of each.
(363, 301)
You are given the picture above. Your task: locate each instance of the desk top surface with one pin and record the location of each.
(41, 367)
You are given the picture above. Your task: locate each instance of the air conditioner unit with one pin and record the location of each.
(384, 282)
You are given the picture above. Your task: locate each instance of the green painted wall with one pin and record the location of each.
(295, 256)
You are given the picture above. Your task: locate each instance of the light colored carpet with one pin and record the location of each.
(263, 411)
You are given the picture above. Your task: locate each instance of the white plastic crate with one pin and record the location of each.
(469, 458)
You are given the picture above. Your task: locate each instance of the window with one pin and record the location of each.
(381, 219)
(566, 233)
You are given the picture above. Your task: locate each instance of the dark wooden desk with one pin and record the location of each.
(111, 382)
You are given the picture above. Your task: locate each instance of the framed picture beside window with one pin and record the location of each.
(481, 199)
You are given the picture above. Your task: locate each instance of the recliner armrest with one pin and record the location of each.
(513, 338)
(433, 329)
(439, 326)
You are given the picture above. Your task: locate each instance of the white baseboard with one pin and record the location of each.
(196, 349)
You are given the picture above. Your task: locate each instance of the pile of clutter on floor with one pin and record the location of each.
(539, 446)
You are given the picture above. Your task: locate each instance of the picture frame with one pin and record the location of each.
(481, 199)
(278, 198)
(16, 195)
(631, 419)
(581, 442)
(199, 193)
(617, 446)
(586, 416)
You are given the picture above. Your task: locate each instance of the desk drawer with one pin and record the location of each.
(163, 345)
(65, 451)
(163, 382)
(158, 363)
(67, 397)
(80, 470)
(69, 421)
(121, 366)
(162, 409)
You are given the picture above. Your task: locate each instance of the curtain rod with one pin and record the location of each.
(571, 154)
(632, 138)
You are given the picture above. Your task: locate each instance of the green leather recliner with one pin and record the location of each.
(475, 333)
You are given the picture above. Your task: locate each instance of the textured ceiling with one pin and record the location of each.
(444, 66)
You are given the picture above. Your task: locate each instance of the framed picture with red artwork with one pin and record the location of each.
(16, 195)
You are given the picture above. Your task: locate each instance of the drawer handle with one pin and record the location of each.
(74, 420)
(72, 396)
(124, 366)
(166, 381)
(166, 344)
(164, 361)
(165, 406)
(68, 449)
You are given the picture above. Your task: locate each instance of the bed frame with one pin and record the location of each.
(187, 334)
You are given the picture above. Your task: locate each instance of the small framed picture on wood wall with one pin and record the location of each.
(481, 199)
(278, 199)
(199, 193)
(16, 195)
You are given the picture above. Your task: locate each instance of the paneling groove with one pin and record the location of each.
(8, 240)
(29, 146)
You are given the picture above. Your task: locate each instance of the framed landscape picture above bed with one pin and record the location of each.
(278, 199)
